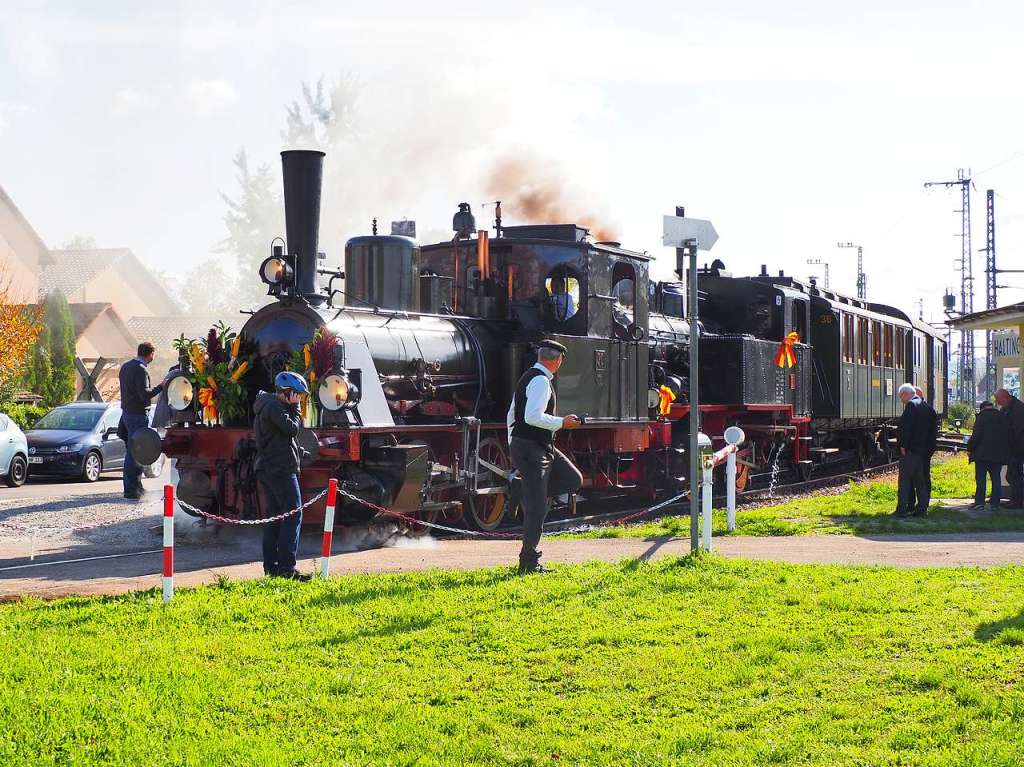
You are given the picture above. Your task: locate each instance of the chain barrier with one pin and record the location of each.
(266, 521)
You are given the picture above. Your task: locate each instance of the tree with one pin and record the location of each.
(51, 370)
(253, 219)
(80, 242)
(19, 327)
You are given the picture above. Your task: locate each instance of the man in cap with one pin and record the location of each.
(543, 470)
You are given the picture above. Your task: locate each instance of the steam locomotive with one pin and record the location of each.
(428, 343)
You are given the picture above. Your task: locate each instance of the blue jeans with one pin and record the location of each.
(281, 539)
(132, 471)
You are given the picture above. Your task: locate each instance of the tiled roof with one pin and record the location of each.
(83, 315)
(162, 332)
(73, 269)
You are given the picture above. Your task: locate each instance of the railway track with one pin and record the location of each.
(590, 521)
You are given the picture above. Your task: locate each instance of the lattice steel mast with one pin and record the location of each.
(966, 388)
(990, 286)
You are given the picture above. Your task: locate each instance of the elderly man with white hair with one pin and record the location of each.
(914, 439)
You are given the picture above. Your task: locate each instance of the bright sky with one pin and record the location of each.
(791, 125)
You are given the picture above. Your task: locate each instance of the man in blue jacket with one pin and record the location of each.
(277, 468)
(135, 398)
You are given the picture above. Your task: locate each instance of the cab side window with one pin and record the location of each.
(562, 295)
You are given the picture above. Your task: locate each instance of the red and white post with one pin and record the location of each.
(168, 543)
(325, 552)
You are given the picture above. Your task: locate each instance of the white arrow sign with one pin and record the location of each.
(679, 230)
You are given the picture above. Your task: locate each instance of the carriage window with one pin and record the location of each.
(563, 294)
(876, 343)
(848, 337)
(862, 341)
(888, 346)
(900, 358)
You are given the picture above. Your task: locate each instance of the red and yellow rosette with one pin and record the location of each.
(785, 358)
(665, 400)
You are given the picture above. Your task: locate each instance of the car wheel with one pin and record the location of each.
(18, 472)
(92, 467)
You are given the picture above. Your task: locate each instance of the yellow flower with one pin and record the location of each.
(209, 380)
(197, 357)
(306, 355)
(236, 345)
(240, 371)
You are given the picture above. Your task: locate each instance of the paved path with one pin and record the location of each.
(231, 555)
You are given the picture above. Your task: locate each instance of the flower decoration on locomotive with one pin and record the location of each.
(319, 361)
(210, 372)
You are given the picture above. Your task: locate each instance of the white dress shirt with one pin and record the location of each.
(538, 392)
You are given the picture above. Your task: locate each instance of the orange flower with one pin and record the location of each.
(209, 380)
(240, 371)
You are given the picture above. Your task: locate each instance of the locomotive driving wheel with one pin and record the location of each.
(487, 512)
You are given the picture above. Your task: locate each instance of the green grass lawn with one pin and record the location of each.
(680, 661)
(863, 508)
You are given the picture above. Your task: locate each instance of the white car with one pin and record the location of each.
(13, 453)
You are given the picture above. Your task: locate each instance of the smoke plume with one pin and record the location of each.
(534, 191)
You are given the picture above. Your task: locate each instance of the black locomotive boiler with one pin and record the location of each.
(428, 342)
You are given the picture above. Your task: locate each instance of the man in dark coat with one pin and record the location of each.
(135, 398)
(914, 439)
(989, 448)
(1013, 409)
(277, 468)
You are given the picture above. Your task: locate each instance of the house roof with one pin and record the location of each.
(1010, 316)
(162, 332)
(73, 269)
(84, 315)
(45, 256)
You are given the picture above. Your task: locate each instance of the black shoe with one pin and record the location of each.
(919, 513)
(133, 496)
(535, 567)
(295, 575)
(976, 507)
(900, 513)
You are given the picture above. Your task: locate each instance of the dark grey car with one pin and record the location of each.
(79, 439)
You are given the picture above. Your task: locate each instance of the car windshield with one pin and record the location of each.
(73, 418)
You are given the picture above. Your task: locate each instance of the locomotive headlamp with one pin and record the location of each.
(180, 393)
(337, 392)
(276, 271)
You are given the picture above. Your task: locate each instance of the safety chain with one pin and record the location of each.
(266, 521)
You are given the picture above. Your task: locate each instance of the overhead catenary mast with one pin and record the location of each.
(862, 280)
(966, 387)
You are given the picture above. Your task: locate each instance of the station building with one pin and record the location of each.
(1007, 326)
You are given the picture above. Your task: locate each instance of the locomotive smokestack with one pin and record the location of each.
(302, 170)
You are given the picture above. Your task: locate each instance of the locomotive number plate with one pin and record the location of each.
(600, 359)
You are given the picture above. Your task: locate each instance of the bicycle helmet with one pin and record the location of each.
(291, 381)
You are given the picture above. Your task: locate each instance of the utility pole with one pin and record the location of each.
(818, 261)
(990, 286)
(963, 180)
(862, 280)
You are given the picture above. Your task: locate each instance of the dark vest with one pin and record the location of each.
(521, 428)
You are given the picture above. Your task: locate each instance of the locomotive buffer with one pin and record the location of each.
(688, 235)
